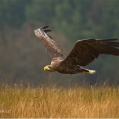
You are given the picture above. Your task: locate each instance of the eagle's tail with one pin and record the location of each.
(87, 71)
(91, 71)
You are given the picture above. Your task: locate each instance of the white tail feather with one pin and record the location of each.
(91, 71)
(87, 71)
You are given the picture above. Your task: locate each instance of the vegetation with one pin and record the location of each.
(22, 56)
(27, 89)
(53, 102)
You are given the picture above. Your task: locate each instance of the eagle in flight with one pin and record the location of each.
(83, 53)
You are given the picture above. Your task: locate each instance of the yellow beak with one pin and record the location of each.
(46, 68)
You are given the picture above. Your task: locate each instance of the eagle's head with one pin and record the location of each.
(48, 68)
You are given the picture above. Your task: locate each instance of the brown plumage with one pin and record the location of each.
(82, 54)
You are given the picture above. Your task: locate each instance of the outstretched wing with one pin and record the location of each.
(52, 47)
(85, 51)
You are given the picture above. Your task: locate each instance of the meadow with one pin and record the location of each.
(59, 102)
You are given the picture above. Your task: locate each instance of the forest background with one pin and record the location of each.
(23, 56)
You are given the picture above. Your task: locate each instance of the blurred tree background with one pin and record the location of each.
(22, 55)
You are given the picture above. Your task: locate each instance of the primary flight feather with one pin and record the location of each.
(83, 53)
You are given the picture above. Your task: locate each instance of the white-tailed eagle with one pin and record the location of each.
(82, 54)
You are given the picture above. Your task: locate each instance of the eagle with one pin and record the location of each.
(83, 53)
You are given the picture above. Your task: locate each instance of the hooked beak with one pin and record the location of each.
(46, 68)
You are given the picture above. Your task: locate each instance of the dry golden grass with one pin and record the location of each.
(53, 102)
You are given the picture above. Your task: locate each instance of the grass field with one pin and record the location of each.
(54, 102)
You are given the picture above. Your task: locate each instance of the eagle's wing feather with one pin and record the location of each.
(85, 51)
(52, 47)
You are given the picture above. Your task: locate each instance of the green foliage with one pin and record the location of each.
(12, 12)
(70, 20)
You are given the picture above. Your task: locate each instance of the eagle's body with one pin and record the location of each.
(83, 53)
